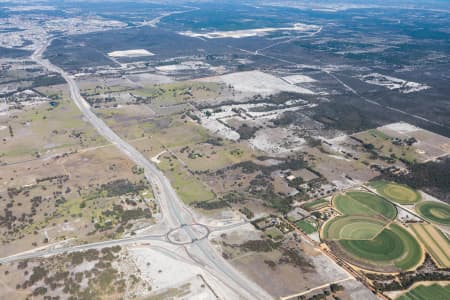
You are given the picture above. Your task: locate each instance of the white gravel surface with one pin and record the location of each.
(258, 82)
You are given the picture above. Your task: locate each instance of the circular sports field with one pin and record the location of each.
(434, 211)
(364, 204)
(352, 228)
(393, 246)
(397, 192)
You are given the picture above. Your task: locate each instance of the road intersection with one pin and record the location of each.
(175, 216)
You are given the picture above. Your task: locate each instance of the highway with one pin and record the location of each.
(174, 213)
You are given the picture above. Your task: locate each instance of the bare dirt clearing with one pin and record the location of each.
(131, 53)
(284, 269)
(257, 82)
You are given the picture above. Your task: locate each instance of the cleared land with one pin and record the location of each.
(384, 146)
(131, 53)
(398, 193)
(435, 212)
(257, 82)
(393, 246)
(245, 33)
(394, 83)
(429, 146)
(366, 204)
(431, 292)
(352, 228)
(437, 245)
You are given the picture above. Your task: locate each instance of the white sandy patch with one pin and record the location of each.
(276, 140)
(400, 127)
(244, 61)
(161, 268)
(428, 197)
(344, 183)
(393, 83)
(80, 75)
(219, 129)
(273, 114)
(236, 34)
(329, 270)
(31, 8)
(404, 215)
(338, 157)
(155, 158)
(147, 78)
(131, 53)
(237, 235)
(315, 237)
(224, 218)
(337, 144)
(164, 272)
(184, 66)
(295, 79)
(172, 68)
(258, 82)
(358, 291)
(257, 111)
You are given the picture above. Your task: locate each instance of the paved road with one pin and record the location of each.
(174, 213)
(60, 250)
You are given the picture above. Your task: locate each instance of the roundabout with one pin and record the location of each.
(187, 234)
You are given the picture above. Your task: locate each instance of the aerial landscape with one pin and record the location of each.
(250, 149)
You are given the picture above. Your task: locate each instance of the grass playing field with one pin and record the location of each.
(398, 193)
(366, 235)
(365, 204)
(305, 226)
(430, 292)
(436, 212)
(393, 246)
(352, 228)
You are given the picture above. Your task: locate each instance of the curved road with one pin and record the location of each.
(174, 213)
(61, 250)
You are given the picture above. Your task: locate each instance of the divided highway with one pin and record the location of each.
(174, 213)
